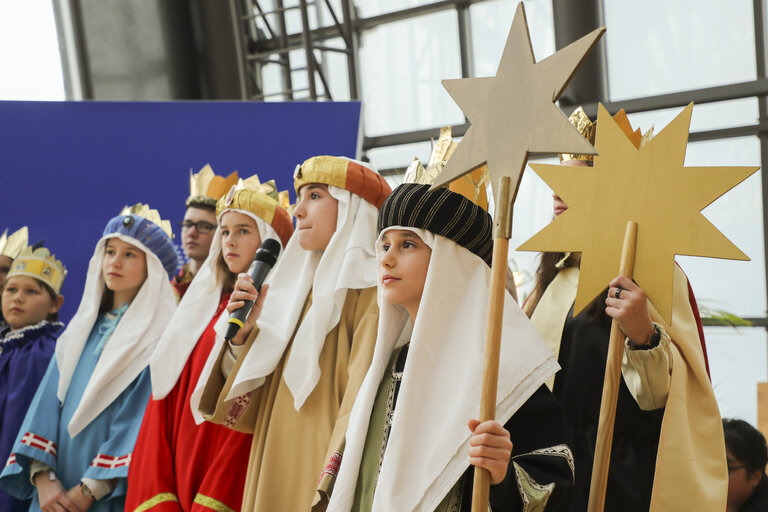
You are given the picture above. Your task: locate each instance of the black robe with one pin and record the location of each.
(579, 387)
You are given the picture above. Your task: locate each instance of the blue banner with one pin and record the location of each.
(66, 168)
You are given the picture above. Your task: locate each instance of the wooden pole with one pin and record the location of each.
(611, 385)
(502, 232)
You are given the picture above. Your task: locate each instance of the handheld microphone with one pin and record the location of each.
(263, 262)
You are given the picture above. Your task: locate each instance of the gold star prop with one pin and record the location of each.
(650, 186)
(513, 114)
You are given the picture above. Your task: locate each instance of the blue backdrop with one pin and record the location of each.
(66, 168)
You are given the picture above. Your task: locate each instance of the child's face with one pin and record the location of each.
(124, 267)
(403, 268)
(316, 214)
(26, 302)
(240, 240)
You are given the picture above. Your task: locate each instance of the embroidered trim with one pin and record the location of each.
(455, 496)
(11, 460)
(35, 441)
(236, 409)
(394, 379)
(211, 503)
(560, 450)
(332, 468)
(534, 495)
(19, 333)
(110, 462)
(160, 498)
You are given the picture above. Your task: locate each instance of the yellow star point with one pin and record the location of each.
(650, 186)
(513, 114)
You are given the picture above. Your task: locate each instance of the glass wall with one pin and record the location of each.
(30, 64)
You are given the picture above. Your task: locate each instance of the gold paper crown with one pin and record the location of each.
(144, 211)
(243, 196)
(12, 245)
(39, 264)
(472, 185)
(587, 128)
(262, 200)
(205, 188)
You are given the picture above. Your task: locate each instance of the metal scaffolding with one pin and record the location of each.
(264, 39)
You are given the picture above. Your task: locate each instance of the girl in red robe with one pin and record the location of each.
(179, 464)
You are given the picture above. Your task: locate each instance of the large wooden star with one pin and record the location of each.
(650, 186)
(513, 114)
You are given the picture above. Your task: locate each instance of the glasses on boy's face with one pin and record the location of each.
(201, 226)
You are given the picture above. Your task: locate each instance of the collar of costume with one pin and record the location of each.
(194, 313)
(7, 335)
(441, 212)
(128, 349)
(442, 380)
(349, 262)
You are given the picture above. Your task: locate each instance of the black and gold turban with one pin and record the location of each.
(441, 212)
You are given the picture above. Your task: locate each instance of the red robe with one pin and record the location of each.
(178, 465)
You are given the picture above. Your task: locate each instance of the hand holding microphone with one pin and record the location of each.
(248, 297)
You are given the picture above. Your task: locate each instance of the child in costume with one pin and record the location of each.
(199, 224)
(300, 368)
(412, 443)
(178, 464)
(30, 303)
(74, 447)
(664, 409)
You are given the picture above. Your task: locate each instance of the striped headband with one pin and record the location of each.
(441, 212)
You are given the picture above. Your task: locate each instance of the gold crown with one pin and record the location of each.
(205, 188)
(144, 211)
(12, 245)
(587, 128)
(471, 185)
(39, 264)
(248, 195)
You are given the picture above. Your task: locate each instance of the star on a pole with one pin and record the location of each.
(650, 186)
(513, 114)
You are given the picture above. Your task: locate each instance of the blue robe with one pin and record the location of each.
(24, 356)
(102, 450)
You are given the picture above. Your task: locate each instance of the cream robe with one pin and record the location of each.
(295, 454)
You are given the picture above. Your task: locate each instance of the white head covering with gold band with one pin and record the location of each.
(442, 379)
(39, 264)
(267, 207)
(127, 351)
(349, 262)
(12, 245)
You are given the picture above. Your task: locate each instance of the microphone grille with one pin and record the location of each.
(269, 251)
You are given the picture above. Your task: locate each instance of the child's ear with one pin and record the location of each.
(56, 304)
